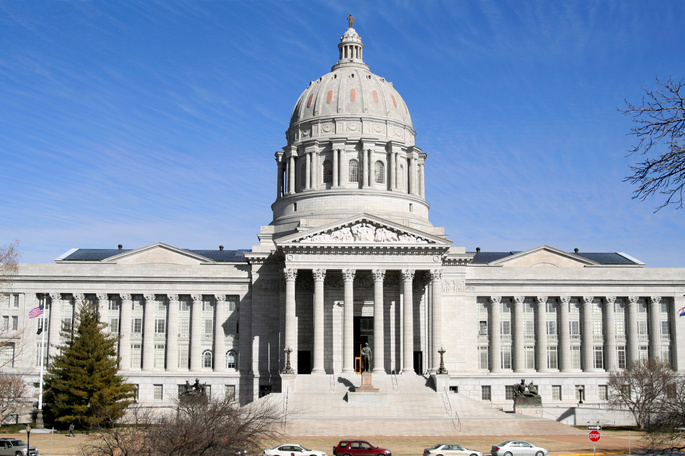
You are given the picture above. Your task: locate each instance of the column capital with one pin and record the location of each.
(588, 299)
(220, 297)
(55, 296)
(125, 296)
(172, 297)
(378, 275)
(519, 299)
(610, 299)
(195, 297)
(565, 299)
(655, 299)
(150, 297)
(102, 296)
(348, 274)
(290, 274)
(495, 299)
(541, 299)
(408, 274)
(633, 299)
(78, 297)
(436, 274)
(319, 274)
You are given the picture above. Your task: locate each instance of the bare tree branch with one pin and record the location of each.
(659, 120)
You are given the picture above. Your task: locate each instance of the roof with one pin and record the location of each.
(228, 256)
(608, 258)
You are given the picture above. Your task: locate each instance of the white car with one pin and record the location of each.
(290, 449)
(450, 449)
(518, 448)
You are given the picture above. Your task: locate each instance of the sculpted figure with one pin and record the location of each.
(366, 358)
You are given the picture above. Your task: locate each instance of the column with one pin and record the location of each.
(609, 333)
(654, 327)
(348, 319)
(518, 342)
(587, 334)
(336, 167)
(54, 323)
(541, 334)
(393, 172)
(564, 334)
(378, 320)
(319, 276)
(495, 335)
(408, 322)
(365, 171)
(290, 320)
(219, 335)
(291, 174)
(308, 170)
(396, 167)
(410, 174)
(422, 177)
(436, 289)
(631, 329)
(279, 176)
(315, 170)
(195, 333)
(125, 332)
(172, 334)
(103, 306)
(148, 332)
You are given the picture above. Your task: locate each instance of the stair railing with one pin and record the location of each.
(393, 378)
(332, 382)
(454, 415)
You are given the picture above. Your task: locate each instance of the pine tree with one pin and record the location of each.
(82, 382)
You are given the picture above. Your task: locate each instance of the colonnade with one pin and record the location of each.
(379, 348)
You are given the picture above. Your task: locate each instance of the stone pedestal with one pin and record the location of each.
(528, 405)
(366, 386)
(441, 382)
(39, 419)
(288, 382)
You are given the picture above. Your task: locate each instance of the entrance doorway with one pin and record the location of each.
(418, 362)
(304, 362)
(363, 334)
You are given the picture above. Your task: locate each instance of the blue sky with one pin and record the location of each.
(137, 122)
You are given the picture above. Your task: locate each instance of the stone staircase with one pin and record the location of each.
(405, 405)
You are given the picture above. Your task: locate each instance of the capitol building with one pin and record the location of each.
(351, 257)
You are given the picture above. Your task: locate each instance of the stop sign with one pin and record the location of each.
(594, 436)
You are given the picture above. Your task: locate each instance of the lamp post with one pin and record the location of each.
(441, 369)
(581, 391)
(28, 439)
(288, 368)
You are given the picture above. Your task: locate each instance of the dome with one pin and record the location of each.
(351, 90)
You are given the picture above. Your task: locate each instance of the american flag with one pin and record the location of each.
(681, 312)
(36, 311)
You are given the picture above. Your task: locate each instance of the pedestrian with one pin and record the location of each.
(71, 431)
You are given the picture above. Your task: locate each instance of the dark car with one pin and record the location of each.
(15, 447)
(359, 448)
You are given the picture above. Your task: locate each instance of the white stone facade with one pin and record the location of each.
(351, 257)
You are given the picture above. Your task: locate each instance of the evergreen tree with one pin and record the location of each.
(82, 382)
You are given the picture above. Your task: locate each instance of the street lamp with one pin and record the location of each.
(28, 439)
(442, 369)
(288, 368)
(581, 390)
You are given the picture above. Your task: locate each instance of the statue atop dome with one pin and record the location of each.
(350, 20)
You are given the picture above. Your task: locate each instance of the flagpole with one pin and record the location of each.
(39, 413)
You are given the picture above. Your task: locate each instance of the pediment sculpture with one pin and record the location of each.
(364, 232)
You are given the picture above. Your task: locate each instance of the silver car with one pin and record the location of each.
(518, 448)
(15, 447)
(450, 449)
(290, 449)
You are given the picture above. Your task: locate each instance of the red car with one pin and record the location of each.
(359, 448)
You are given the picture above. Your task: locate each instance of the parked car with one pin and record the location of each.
(518, 448)
(450, 449)
(15, 447)
(359, 448)
(288, 449)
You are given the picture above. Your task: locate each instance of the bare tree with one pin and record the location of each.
(194, 427)
(9, 256)
(665, 429)
(641, 388)
(12, 394)
(659, 119)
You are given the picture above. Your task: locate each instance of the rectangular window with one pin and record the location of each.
(231, 303)
(598, 356)
(664, 307)
(619, 306)
(15, 322)
(666, 354)
(230, 392)
(509, 392)
(665, 328)
(184, 304)
(160, 325)
(574, 329)
(7, 355)
(158, 392)
(505, 327)
(575, 357)
(551, 306)
(137, 326)
(528, 307)
(207, 305)
(597, 329)
(642, 306)
(232, 326)
(182, 356)
(506, 357)
(529, 328)
(642, 327)
(620, 328)
(66, 324)
(552, 357)
(183, 327)
(483, 358)
(114, 325)
(161, 304)
(603, 393)
(482, 328)
(643, 352)
(621, 356)
(485, 393)
(135, 356)
(208, 328)
(159, 355)
(15, 301)
(529, 353)
(556, 392)
(113, 303)
(506, 308)
(551, 327)
(5, 323)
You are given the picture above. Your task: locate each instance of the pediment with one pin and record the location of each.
(364, 230)
(543, 257)
(158, 253)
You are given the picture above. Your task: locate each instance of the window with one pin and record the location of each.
(551, 306)
(327, 172)
(574, 329)
(207, 304)
(208, 327)
(15, 322)
(158, 392)
(231, 303)
(666, 354)
(231, 357)
(505, 327)
(113, 303)
(642, 327)
(15, 301)
(161, 304)
(597, 329)
(137, 325)
(66, 324)
(303, 176)
(183, 356)
(506, 357)
(528, 307)
(159, 355)
(5, 322)
(184, 304)
(207, 359)
(642, 306)
(552, 357)
(183, 327)
(665, 328)
(135, 356)
(529, 328)
(160, 325)
(42, 349)
(482, 357)
(379, 172)
(7, 355)
(598, 356)
(603, 393)
(619, 306)
(621, 356)
(509, 392)
(114, 325)
(232, 326)
(482, 328)
(505, 307)
(529, 353)
(230, 392)
(485, 393)
(556, 392)
(575, 357)
(643, 352)
(620, 328)
(551, 327)
(354, 171)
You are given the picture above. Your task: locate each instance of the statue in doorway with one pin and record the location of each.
(366, 358)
